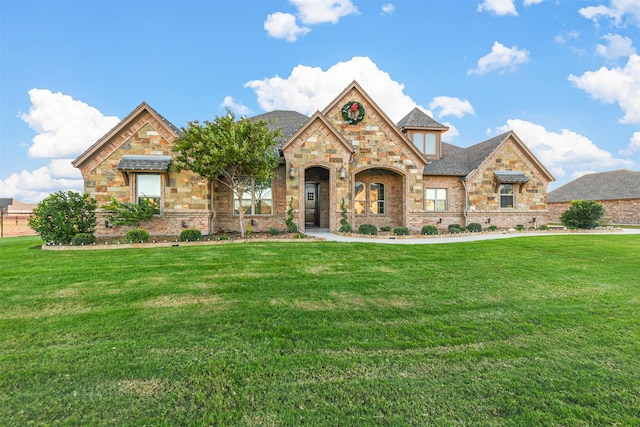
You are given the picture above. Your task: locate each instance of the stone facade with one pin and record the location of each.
(324, 158)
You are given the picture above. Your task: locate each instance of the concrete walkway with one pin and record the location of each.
(465, 237)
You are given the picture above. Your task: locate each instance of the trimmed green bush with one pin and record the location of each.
(345, 227)
(292, 227)
(429, 230)
(455, 228)
(137, 235)
(274, 231)
(62, 215)
(190, 235)
(474, 227)
(83, 239)
(519, 227)
(543, 227)
(368, 229)
(385, 228)
(492, 228)
(582, 214)
(401, 231)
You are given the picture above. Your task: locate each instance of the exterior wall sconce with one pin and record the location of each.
(292, 172)
(488, 221)
(107, 224)
(440, 221)
(343, 173)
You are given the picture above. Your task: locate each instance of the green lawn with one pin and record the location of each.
(524, 331)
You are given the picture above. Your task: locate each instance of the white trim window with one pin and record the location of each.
(149, 186)
(436, 199)
(256, 199)
(507, 196)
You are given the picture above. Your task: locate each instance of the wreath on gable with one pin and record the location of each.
(352, 112)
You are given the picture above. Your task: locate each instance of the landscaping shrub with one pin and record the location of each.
(190, 235)
(474, 227)
(429, 230)
(292, 227)
(401, 231)
(455, 228)
(492, 228)
(385, 228)
(345, 227)
(519, 227)
(83, 239)
(583, 214)
(62, 215)
(274, 231)
(137, 235)
(368, 229)
(543, 227)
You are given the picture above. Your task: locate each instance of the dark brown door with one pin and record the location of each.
(311, 217)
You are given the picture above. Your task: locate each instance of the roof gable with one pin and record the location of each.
(613, 185)
(110, 136)
(318, 117)
(419, 119)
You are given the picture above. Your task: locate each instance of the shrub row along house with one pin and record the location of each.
(387, 174)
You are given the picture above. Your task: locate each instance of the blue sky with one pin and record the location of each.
(564, 75)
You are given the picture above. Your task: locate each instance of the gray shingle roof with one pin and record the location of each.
(417, 118)
(614, 185)
(456, 161)
(144, 163)
(288, 121)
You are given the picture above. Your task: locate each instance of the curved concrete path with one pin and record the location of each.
(466, 237)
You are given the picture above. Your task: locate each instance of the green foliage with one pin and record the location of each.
(62, 215)
(401, 231)
(519, 227)
(274, 231)
(345, 227)
(131, 214)
(429, 230)
(543, 227)
(455, 228)
(292, 227)
(190, 235)
(230, 152)
(492, 228)
(385, 228)
(582, 214)
(368, 229)
(82, 239)
(474, 227)
(137, 235)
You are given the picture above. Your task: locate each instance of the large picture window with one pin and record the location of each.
(256, 199)
(436, 199)
(507, 196)
(372, 196)
(149, 186)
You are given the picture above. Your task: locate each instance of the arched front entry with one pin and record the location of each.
(316, 197)
(379, 198)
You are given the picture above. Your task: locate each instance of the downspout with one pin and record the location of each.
(466, 200)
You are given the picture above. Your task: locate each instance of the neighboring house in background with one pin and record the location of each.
(388, 174)
(618, 191)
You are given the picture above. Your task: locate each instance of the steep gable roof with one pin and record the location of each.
(613, 185)
(113, 133)
(419, 119)
(321, 118)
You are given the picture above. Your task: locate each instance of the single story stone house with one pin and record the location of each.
(387, 174)
(618, 191)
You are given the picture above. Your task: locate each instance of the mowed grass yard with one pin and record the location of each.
(525, 331)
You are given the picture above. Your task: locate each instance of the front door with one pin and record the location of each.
(311, 211)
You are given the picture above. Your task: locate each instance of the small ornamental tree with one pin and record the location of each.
(132, 214)
(292, 227)
(582, 214)
(62, 215)
(345, 227)
(234, 153)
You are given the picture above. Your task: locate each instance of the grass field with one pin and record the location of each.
(526, 331)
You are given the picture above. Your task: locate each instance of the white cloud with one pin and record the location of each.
(449, 106)
(617, 47)
(388, 8)
(615, 85)
(617, 10)
(530, 2)
(283, 26)
(65, 127)
(501, 58)
(565, 152)
(498, 7)
(313, 12)
(237, 109)
(32, 187)
(309, 89)
(566, 36)
(633, 147)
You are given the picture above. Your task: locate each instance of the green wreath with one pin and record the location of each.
(352, 112)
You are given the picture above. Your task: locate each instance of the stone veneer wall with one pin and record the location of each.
(623, 212)
(185, 196)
